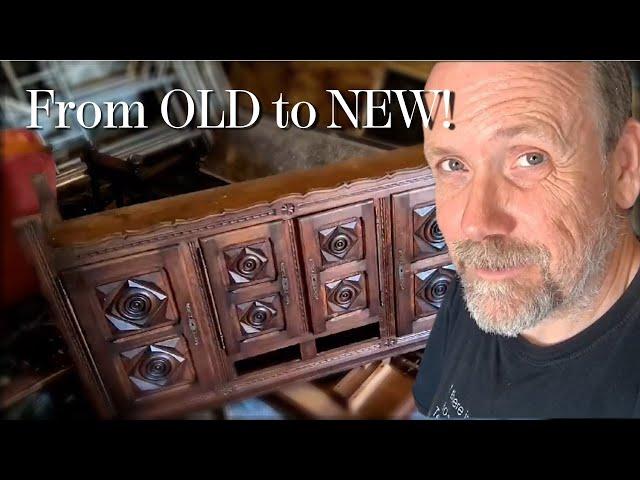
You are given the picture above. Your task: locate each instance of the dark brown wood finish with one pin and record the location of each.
(422, 265)
(255, 288)
(199, 299)
(339, 248)
(145, 323)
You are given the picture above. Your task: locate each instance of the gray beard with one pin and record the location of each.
(511, 307)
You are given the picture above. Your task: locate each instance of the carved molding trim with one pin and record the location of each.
(384, 267)
(349, 186)
(205, 291)
(369, 348)
(296, 265)
(211, 311)
(294, 200)
(166, 236)
(413, 337)
(382, 344)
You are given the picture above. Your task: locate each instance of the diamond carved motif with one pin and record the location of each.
(159, 365)
(339, 243)
(136, 305)
(261, 315)
(431, 288)
(346, 295)
(427, 234)
(247, 264)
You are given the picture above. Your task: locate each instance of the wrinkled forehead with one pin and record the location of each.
(490, 95)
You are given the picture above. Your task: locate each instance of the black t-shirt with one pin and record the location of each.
(466, 373)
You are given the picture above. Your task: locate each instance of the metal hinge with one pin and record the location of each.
(284, 280)
(193, 326)
(401, 270)
(314, 279)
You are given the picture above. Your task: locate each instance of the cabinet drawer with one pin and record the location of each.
(422, 265)
(145, 323)
(341, 267)
(253, 278)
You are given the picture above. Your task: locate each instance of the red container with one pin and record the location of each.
(22, 155)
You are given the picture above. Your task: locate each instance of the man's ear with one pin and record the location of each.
(625, 166)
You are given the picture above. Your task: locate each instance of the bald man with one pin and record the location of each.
(534, 189)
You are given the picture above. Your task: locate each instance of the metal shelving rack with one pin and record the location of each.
(112, 81)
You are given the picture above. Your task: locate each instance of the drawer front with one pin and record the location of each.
(422, 265)
(253, 279)
(341, 267)
(145, 322)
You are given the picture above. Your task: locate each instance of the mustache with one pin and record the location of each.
(499, 253)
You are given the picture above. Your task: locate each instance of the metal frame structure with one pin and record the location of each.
(123, 80)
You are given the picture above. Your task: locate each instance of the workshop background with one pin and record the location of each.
(37, 378)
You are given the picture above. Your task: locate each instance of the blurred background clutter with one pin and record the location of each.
(93, 170)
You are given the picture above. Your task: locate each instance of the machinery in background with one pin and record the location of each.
(92, 164)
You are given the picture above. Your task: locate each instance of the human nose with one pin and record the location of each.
(485, 213)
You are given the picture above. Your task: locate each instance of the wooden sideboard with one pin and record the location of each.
(192, 301)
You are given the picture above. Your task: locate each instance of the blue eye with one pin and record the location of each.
(531, 159)
(452, 165)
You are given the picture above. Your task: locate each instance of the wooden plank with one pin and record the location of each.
(350, 383)
(384, 393)
(308, 350)
(311, 401)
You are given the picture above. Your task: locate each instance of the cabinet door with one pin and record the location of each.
(423, 269)
(252, 274)
(145, 322)
(341, 267)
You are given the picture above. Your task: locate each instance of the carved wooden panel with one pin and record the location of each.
(261, 315)
(346, 295)
(137, 303)
(427, 237)
(253, 277)
(421, 261)
(146, 323)
(249, 264)
(159, 365)
(430, 289)
(341, 243)
(185, 303)
(341, 265)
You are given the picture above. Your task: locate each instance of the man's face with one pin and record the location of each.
(521, 197)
